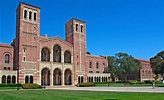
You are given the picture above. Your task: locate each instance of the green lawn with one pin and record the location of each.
(76, 95)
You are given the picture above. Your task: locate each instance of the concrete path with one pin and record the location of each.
(117, 89)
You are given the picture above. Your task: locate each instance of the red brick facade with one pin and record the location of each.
(49, 60)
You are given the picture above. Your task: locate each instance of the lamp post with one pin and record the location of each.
(18, 77)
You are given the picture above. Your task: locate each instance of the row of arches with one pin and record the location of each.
(97, 79)
(45, 54)
(30, 15)
(9, 79)
(57, 77)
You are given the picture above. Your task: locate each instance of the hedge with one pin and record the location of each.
(31, 86)
(9, 85)
(87, 84)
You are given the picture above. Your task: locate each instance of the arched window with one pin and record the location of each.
(76, 27)
(9, 79)
(3, 79)
(34, 16)
(56, 53)
(67, 57)
(25, 13)
(45, 54)
(30, 15)
(13, 79)
(7, 58)
(81, 28)
(31, 79)
(45, 76)
(90, 64)
(97, 65)
(26, 79)
(68, 77)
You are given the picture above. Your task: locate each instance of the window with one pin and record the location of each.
(90, 71)
(7, 58)
(25, 13)
(8, 79)
(90, 64)
(24, 50)
(30, 15)
(76, 27)
(97, 71)
(8, 68)
(34, 16)
(67, 57)
(24, 58)
(56, 53)
(26, 79)
(3, 79)
(31, 79)
(45, 54)
(97, 65)
(81, 28)
(13, 79)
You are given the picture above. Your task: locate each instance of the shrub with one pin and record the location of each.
(31, 86)
(158, 82)
(9, 85)
(133, 81)
(147, 82)
(88, 84)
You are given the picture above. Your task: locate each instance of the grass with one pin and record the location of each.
(76, 95)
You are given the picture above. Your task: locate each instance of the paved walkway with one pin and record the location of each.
(116, 89)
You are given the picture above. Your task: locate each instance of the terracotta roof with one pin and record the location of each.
(142, 59)
(5, 45)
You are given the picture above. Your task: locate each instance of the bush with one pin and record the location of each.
(88, 84)
(31, 86)
(147, 82)
(133, 81)
(158, 82)
(9, 85)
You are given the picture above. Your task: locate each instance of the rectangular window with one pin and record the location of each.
(24, 58)
(90, 71)
(97, 71)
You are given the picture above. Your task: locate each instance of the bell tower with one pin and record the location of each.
(26, 42)
(76, 35)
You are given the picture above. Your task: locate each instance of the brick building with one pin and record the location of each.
(44, 60)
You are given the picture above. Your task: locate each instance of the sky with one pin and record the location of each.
(135, 27)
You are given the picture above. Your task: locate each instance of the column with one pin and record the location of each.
(51, 55)
(62, 77)
(62, 56)
(51, 78)
(71, 59)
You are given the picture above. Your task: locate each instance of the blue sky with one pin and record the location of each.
(135, 27)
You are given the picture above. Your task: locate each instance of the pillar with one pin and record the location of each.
(51, 78)
(62, 56)
(62, 77)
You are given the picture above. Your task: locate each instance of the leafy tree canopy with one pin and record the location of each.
(123, 64)
(157, 63)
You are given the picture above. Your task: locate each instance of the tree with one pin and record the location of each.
(112, 67)
(123, 65)
(157, 63)
(127, 65)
